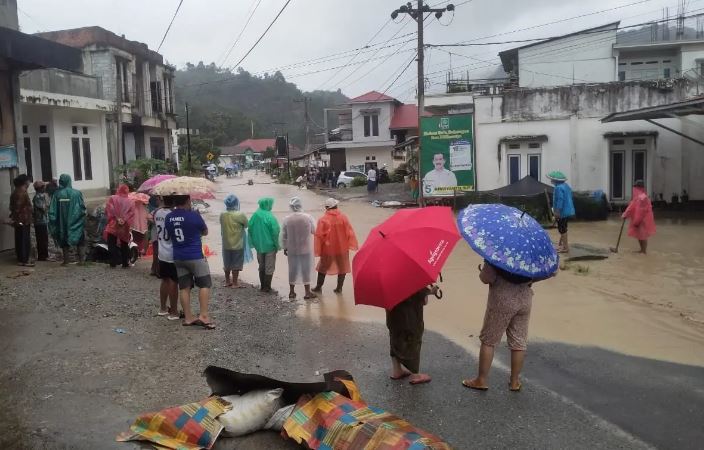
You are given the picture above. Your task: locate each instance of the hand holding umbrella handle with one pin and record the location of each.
(436, 291)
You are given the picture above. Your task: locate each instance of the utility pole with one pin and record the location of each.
(288, 157)
(188, 142)
(306, 101)
(418, 14)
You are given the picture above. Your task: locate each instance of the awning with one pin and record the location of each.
(669, 111)
(27, 52)
(524, 138)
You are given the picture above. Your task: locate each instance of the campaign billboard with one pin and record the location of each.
(447, 154)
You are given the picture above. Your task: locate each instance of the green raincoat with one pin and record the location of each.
(67, 214)
(264, 228)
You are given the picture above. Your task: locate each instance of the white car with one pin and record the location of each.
(345, 178)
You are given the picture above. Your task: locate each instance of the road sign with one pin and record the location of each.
(210, 156)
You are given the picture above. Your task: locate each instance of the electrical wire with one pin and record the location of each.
(169, 27)
(239, 36)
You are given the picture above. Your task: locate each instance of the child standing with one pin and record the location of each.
(507, 311)
(406, 326)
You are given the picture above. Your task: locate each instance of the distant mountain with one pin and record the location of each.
(223, 104)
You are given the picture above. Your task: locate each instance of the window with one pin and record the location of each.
(514, 146)
(42, 129)
(621, 75)
(618, 169)
(74, 130)
(534, 166)
(28, 155)
(367, 158)
(77, 170)
(639, 165)
(155, 87)
(157, 147)
(514, 168)
(373, 158)
(618, 141)
(666, 72)
(639, 141)
(85, 130)
(371, 125)
(25, 129)
(87, 162)
(534, 145)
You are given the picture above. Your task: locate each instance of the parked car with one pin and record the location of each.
(345, 178)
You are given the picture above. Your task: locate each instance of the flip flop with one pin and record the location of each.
(208, 325)
(195, 323)
(518, 389)
(478, 388)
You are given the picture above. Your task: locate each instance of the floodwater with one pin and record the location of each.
(648, 306)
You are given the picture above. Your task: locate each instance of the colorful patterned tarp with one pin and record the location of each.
(188, 427)
(332, 421)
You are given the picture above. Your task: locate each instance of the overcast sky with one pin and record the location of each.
(309, 30)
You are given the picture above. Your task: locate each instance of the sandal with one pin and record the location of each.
(517, 389)
(208, 325)
(466, 384)
(195, 323)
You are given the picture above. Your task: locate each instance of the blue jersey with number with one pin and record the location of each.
(185, 229)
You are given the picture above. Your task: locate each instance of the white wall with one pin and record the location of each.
(385, 110)
(577, 147)
(574, 59)
(60, 122)
(358, 156)
(689, 56)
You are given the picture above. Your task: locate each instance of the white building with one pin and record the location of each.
(557, 113)
(64, 129)
(366, 131)
(140, 85)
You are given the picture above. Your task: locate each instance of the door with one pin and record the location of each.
(639, 166)
(45, 158)
(28, 157)
(157, 147)
(514, 168)
(618, 175)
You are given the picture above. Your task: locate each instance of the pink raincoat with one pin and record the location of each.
(640, 213)
(119, 210)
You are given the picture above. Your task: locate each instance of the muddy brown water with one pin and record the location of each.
(649, 306)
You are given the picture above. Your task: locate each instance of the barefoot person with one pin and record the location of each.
(334, 238)
(168, 291)
(264, 236)
(297, 233)
(233, 228)
(563, 207)
(640, 213)
(406, 326)
(507, 311)
(185, 228)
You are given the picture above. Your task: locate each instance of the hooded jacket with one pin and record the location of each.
(264, 228)
(67, 214)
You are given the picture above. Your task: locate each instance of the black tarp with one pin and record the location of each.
(527, 186)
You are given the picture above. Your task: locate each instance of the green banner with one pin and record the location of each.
(447, 154)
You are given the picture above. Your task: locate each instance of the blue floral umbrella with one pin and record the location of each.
(509, 239)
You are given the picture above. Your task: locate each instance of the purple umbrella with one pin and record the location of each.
(151, 183)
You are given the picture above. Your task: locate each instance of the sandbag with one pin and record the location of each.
(276, 422)
(250, 412)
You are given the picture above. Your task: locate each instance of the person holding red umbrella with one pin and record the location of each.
(395, 269)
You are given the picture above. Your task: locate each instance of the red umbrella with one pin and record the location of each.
(403, 255)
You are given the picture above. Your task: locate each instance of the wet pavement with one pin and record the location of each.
(615, 359)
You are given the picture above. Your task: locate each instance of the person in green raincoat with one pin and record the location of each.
(67, 214)
(264, 237)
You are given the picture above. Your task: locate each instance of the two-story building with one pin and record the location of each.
(362, 133)
(570, 103)
(138, 83)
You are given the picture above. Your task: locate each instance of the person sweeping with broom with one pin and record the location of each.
(640, 213)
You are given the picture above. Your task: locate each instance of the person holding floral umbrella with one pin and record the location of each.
(517, 252)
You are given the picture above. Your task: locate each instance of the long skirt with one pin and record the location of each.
(300, 269)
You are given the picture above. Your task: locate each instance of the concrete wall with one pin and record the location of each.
(60, 122)
(385, 110)
(101, 63)
(576, 144)
(573, 59)
(156, 132)
(689, 56)
(61, 82)
(8, 14)
(358, 156)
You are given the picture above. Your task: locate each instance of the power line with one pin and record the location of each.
(169, 27)
(237, 39)
(262, 36)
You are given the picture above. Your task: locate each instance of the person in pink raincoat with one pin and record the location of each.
(119, 210)
(640, 213)
(140, 225)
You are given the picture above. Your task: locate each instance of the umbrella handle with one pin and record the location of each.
(438, 293)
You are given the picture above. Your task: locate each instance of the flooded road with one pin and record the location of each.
(648, 306)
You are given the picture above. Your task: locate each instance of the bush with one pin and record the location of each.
(397, 176)
(359, 181)
(283, 178)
